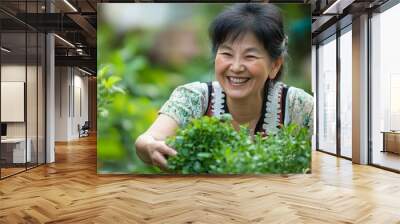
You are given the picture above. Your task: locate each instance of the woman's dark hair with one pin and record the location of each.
(264, 20)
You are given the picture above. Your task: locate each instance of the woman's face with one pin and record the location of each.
(243, 66)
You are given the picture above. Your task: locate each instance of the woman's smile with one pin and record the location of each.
(237, 81)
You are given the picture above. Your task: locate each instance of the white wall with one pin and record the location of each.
(61, 103)
(71, 93)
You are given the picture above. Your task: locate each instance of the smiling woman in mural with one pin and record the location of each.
(249, 48)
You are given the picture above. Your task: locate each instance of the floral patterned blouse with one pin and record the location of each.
(282, 105)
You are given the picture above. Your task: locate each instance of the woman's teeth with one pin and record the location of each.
(236, 80)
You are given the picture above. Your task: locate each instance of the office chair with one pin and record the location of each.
(84, 130)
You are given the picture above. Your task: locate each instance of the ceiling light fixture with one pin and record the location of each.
(329, 9)
(70, 5)
(337, 7)
(64, 40)
(5, 49)
(84, 71)
(79, 51)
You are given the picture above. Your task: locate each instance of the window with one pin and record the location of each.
(385, 87)
(327, 96)
(346, 93)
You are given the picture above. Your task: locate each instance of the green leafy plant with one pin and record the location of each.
(212, 145)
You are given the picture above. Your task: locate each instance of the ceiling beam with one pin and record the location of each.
(85, 25)
(82, 61)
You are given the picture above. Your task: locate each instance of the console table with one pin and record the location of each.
(391, 141)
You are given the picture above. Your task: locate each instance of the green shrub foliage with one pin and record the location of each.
(211, 145)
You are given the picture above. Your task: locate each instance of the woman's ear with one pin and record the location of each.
(276, 66)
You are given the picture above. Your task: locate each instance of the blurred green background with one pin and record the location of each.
(146, 50)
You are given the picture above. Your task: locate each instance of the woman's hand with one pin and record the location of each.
(153, 151)
(150, 146)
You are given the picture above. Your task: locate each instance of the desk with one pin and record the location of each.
(16, 147)
(391, 141)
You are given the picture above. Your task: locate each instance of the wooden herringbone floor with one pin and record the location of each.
(70, 191)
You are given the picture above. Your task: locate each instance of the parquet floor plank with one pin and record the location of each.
(70, 191)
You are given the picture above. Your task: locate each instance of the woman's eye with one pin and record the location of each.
(251, 56)
(226, 53)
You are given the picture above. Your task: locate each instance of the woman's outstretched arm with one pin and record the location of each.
(151, 147)
(186, 102)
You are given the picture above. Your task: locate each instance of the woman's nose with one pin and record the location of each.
(237, 65)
